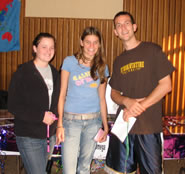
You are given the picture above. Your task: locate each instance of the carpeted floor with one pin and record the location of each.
(96, 167)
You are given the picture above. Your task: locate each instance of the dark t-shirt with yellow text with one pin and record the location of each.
(136, 74)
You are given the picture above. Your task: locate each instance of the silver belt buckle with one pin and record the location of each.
(84, 117)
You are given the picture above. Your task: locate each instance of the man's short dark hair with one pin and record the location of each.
(124, 13)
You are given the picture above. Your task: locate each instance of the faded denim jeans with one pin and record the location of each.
(79, 145)
(34, 153)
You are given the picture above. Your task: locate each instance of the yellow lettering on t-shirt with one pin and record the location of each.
(131, 67)
(93, 85)
(81, 76)
(75, 78)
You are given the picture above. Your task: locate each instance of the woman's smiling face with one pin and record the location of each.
(90, 46)
(45, 50)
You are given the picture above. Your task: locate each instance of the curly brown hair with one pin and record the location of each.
(98, 62)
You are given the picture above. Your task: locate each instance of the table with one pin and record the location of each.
(174, 137)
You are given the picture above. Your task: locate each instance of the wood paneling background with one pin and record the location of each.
(159, 21)
(66, 31)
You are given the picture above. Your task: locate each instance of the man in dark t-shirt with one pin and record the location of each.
(140, 79)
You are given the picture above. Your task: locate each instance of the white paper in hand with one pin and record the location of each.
(101, 149)
(120, 126)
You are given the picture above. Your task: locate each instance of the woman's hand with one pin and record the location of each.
(102, 136)
(49, 118)
(60, 135)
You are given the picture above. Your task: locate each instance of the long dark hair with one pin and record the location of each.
(98, 63)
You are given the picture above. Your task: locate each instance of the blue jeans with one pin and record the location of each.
(79, 145)
(34, 153)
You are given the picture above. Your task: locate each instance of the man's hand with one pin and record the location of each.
(134, 107)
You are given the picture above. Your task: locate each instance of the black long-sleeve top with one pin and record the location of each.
(28, 100)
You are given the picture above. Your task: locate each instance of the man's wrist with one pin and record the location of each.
(124, 100)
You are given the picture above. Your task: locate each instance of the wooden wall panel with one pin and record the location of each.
(162, 22)
(66, 31)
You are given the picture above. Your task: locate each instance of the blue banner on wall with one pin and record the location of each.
(9, 25)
